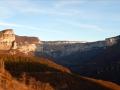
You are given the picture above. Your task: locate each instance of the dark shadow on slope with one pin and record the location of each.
(104, 66)
(46, 74)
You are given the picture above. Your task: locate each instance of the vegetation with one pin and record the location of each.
(31, 73)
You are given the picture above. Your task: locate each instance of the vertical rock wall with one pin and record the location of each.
(113, 40)
(7, 37)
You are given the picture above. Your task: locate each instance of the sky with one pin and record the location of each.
(73, 20)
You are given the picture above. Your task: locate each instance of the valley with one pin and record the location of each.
(59, 65)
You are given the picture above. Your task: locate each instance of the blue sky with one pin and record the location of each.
(74, 20)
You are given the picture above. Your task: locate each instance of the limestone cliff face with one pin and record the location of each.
(27, 48)
(26, 40)
(65, 48)
(27, 44)
(113, 40)
(60, 49)
(10, 41)
(24, 44)
(7, 37)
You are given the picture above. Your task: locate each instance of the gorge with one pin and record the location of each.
(98, 59)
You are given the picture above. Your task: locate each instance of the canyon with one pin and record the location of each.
(99, 60)
(68, 53)
(9, 40)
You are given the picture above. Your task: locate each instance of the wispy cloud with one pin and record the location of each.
(64, 3)
(32, 7)
(12, 25)
(82, 26)
(9, 8)
(60, 16)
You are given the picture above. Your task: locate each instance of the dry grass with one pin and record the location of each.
(49, 76)
(107, 84)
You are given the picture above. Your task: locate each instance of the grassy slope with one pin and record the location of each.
(44, 74)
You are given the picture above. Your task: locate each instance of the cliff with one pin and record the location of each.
(9, 41)
(113, 40)
(7, 38)
(74, 54)
(25, 39)
(55, 49)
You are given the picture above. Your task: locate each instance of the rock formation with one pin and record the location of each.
(10, 41)
(24, 44)
(113, 40)
(7, 37)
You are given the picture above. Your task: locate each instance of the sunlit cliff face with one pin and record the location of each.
(7, 37)
(10, 41)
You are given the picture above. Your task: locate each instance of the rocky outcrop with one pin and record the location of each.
(27, 48)
(10, 41)
(113, 40)
(7, 37)
(26, 40)
(27, 44)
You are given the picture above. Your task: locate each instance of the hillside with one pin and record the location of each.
(107, 64)
(7, 82)
(46, 75)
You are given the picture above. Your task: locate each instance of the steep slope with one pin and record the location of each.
(7, 82)
(46, 75)
(107, 64)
